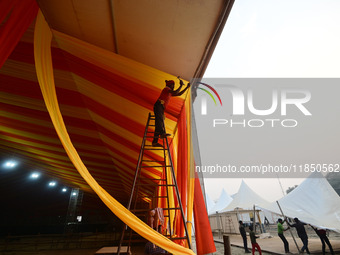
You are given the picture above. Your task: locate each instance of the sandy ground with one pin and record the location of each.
(273, 245)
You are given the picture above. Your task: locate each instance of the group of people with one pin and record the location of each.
(252, 236)
(301, 232)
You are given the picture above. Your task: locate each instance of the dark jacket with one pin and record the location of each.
(242, 230)
(300, 229)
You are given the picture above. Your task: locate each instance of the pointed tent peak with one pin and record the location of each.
(222, 202)
(245, 198)
(224, 193)
(245, 189)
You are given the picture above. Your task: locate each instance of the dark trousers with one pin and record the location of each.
(245, 244)
(305, 244)
(285, 242)
(158, 109)
(324, 240)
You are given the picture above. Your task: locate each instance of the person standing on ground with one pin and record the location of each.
(254, 244)
(300, 229)
(244, 236)
(322, 234)
(280, 230)
(160, 106)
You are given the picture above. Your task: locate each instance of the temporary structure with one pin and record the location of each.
(245, 198)
(314, 202)
(95, 68)
(222, 202)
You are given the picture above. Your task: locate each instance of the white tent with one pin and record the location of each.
(222, 202)
(314, 202)
(245, 198)
(210, 203)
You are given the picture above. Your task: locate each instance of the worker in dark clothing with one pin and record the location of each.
(300, 229)
(322, 234)
(244, 236)
(254, 244)
(160, 106)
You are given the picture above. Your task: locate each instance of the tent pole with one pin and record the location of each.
(260, 222)
(254, 219)
(289, 228)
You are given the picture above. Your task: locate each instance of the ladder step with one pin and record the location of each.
(151, 179)
(154, 166)
(155, 149)
(155, 184)
(156, 196)
(154, 161)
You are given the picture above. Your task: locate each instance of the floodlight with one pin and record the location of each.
(10, 164)
(52, 184)
(35, 175)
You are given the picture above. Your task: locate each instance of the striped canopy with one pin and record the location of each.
(105, 87)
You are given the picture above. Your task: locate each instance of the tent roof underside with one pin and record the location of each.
(104, 109)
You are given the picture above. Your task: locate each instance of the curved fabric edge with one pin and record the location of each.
(44, 69)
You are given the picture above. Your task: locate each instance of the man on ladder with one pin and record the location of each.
(160, 106)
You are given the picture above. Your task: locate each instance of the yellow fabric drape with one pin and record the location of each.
(191, 180)
(43, 62)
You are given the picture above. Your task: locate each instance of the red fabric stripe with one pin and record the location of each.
(204, 239)
(134, 91)
(24, 52)
(48, 132)
(19, 20)
(89, 161)
(5, 7)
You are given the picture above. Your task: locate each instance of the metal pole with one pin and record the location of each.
(289, 228)
(254, 219)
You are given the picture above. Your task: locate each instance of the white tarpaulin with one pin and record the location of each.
(223, 201)
(245, 198)
(314, 202)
